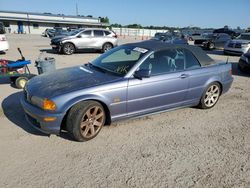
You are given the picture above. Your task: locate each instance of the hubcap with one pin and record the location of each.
(68, 49)
(92, 122)
(22, 83)
(212, 95)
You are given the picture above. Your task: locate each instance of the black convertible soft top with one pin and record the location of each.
(152, 45)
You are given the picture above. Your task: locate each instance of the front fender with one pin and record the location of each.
(66, 106)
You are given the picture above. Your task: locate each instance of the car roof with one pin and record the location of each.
(154, 45)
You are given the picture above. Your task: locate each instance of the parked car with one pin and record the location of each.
(48, 33)
(4, 45)
(194, 36)
(227, 31)
(2, 28)
(212, 41)
(170, 38)
(244, 62)
(91, 38)
(238, 46)
(55, 32)
(131, 80)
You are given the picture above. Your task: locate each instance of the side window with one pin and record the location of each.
(98, 33)
(86, 33)
(165, 61)
(191, 61)
(107, 33)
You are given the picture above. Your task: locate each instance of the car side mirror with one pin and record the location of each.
(79, 36)
(143, 73)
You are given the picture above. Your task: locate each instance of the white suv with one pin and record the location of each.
(90, 38)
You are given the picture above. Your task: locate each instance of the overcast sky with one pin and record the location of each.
(181, 13)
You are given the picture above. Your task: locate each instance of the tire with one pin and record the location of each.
(68, 48)
(21, 82)
(85, 120)
(211, 96)
(106, 47)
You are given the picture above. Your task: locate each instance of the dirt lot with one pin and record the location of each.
(183, 148)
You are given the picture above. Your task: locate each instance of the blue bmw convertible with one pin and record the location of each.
(131, 80)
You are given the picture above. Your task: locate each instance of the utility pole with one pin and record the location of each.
(76, 9)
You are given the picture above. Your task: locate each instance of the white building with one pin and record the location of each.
(36, 23)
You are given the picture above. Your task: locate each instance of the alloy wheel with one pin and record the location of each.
(212, 95)
(92, 121)
(69, 48)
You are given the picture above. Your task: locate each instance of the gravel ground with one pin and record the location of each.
(182, 148)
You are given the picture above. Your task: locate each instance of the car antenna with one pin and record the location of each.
(19, 50)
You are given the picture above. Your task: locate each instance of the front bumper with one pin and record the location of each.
(56, 46)
(35, 116)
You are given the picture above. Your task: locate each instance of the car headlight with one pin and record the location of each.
(43, 103)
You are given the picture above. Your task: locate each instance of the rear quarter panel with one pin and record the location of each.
(201, 78)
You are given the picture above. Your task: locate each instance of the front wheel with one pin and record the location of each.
(68, 48)
(85, 120)
(211, 96)
(21, 82)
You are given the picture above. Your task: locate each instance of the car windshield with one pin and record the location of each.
(209, 35)
(244, 37)
(119, 60)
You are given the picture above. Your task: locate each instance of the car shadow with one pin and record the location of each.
(7, 80)
(13, 110)
(51, 51)
(2, 53)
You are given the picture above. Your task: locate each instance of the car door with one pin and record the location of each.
(165, 88)
(84, 40)
(198, 77)
(98, 39)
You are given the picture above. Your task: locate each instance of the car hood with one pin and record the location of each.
(63, 81)
(60, 37)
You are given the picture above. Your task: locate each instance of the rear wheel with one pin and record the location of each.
(106, 47)
(68, 48)
(85, 120)
(21, 82)
(211, 96)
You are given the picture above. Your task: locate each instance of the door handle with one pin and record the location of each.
(184, 76)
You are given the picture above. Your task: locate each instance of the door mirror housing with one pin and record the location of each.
(143, 73)
(79, 36)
